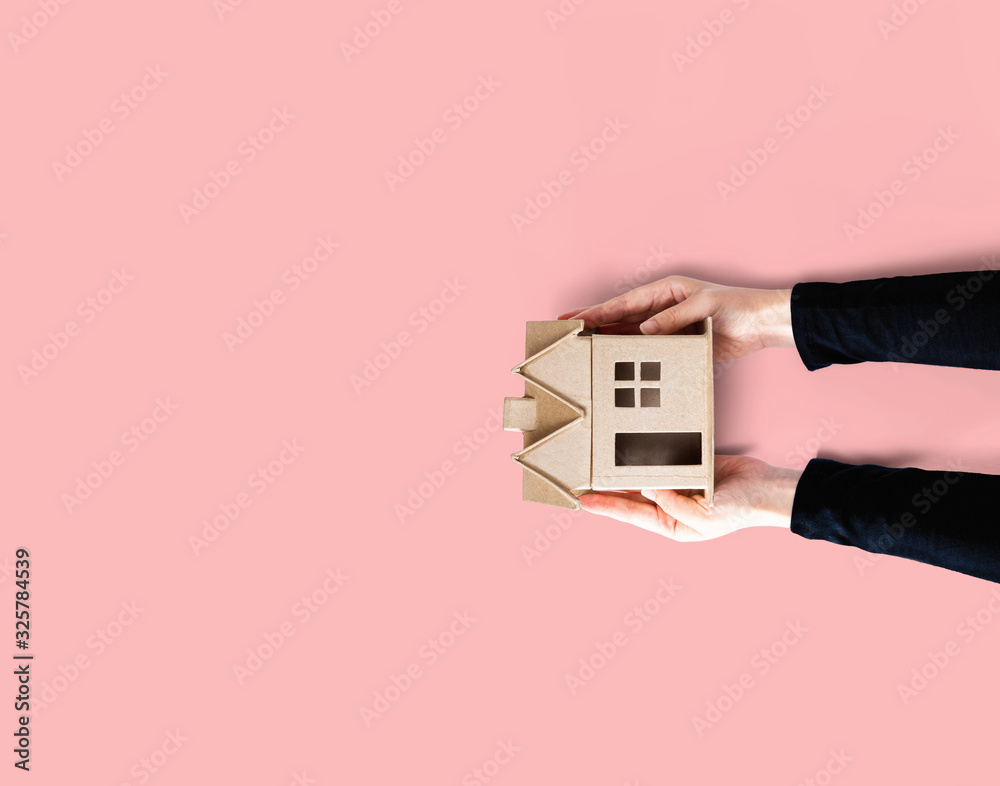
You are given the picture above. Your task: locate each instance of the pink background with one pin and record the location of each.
(338, 503)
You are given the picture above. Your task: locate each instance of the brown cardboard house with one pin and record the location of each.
(605, 412)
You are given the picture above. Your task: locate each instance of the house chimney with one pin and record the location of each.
(519, 414)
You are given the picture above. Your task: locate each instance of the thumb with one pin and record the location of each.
(675, 318)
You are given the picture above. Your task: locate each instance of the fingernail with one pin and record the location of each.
(649, 327)
(648, 493)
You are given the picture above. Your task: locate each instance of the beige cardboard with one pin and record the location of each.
(587, 427)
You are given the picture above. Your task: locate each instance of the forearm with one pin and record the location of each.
(943, 319)
(937, 517)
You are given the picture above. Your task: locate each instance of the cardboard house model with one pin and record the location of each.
(605, 412)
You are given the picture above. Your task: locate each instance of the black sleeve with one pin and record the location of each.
(943, 319)
(938, 517)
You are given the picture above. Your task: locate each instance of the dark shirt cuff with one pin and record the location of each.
(940, 319)
(943, 518)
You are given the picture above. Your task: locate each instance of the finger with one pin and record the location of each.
(685, 313)
(641, 514)
(630, 327)
(620, 507)
(627, 327)
(635, 319)
(690, 510)
(620, 329)
(635, 496)
(575, 314)
(701, 500)
(646, 299)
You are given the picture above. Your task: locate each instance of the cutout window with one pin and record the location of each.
(624, 397)
(624, 371)
(649, 371)
(649, 395)
(658, 449)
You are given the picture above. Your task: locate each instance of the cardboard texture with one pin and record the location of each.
(613, 413)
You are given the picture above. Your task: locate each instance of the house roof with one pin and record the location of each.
(556, 457)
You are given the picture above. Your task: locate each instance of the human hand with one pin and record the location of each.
(748, 493)
(743, 320)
